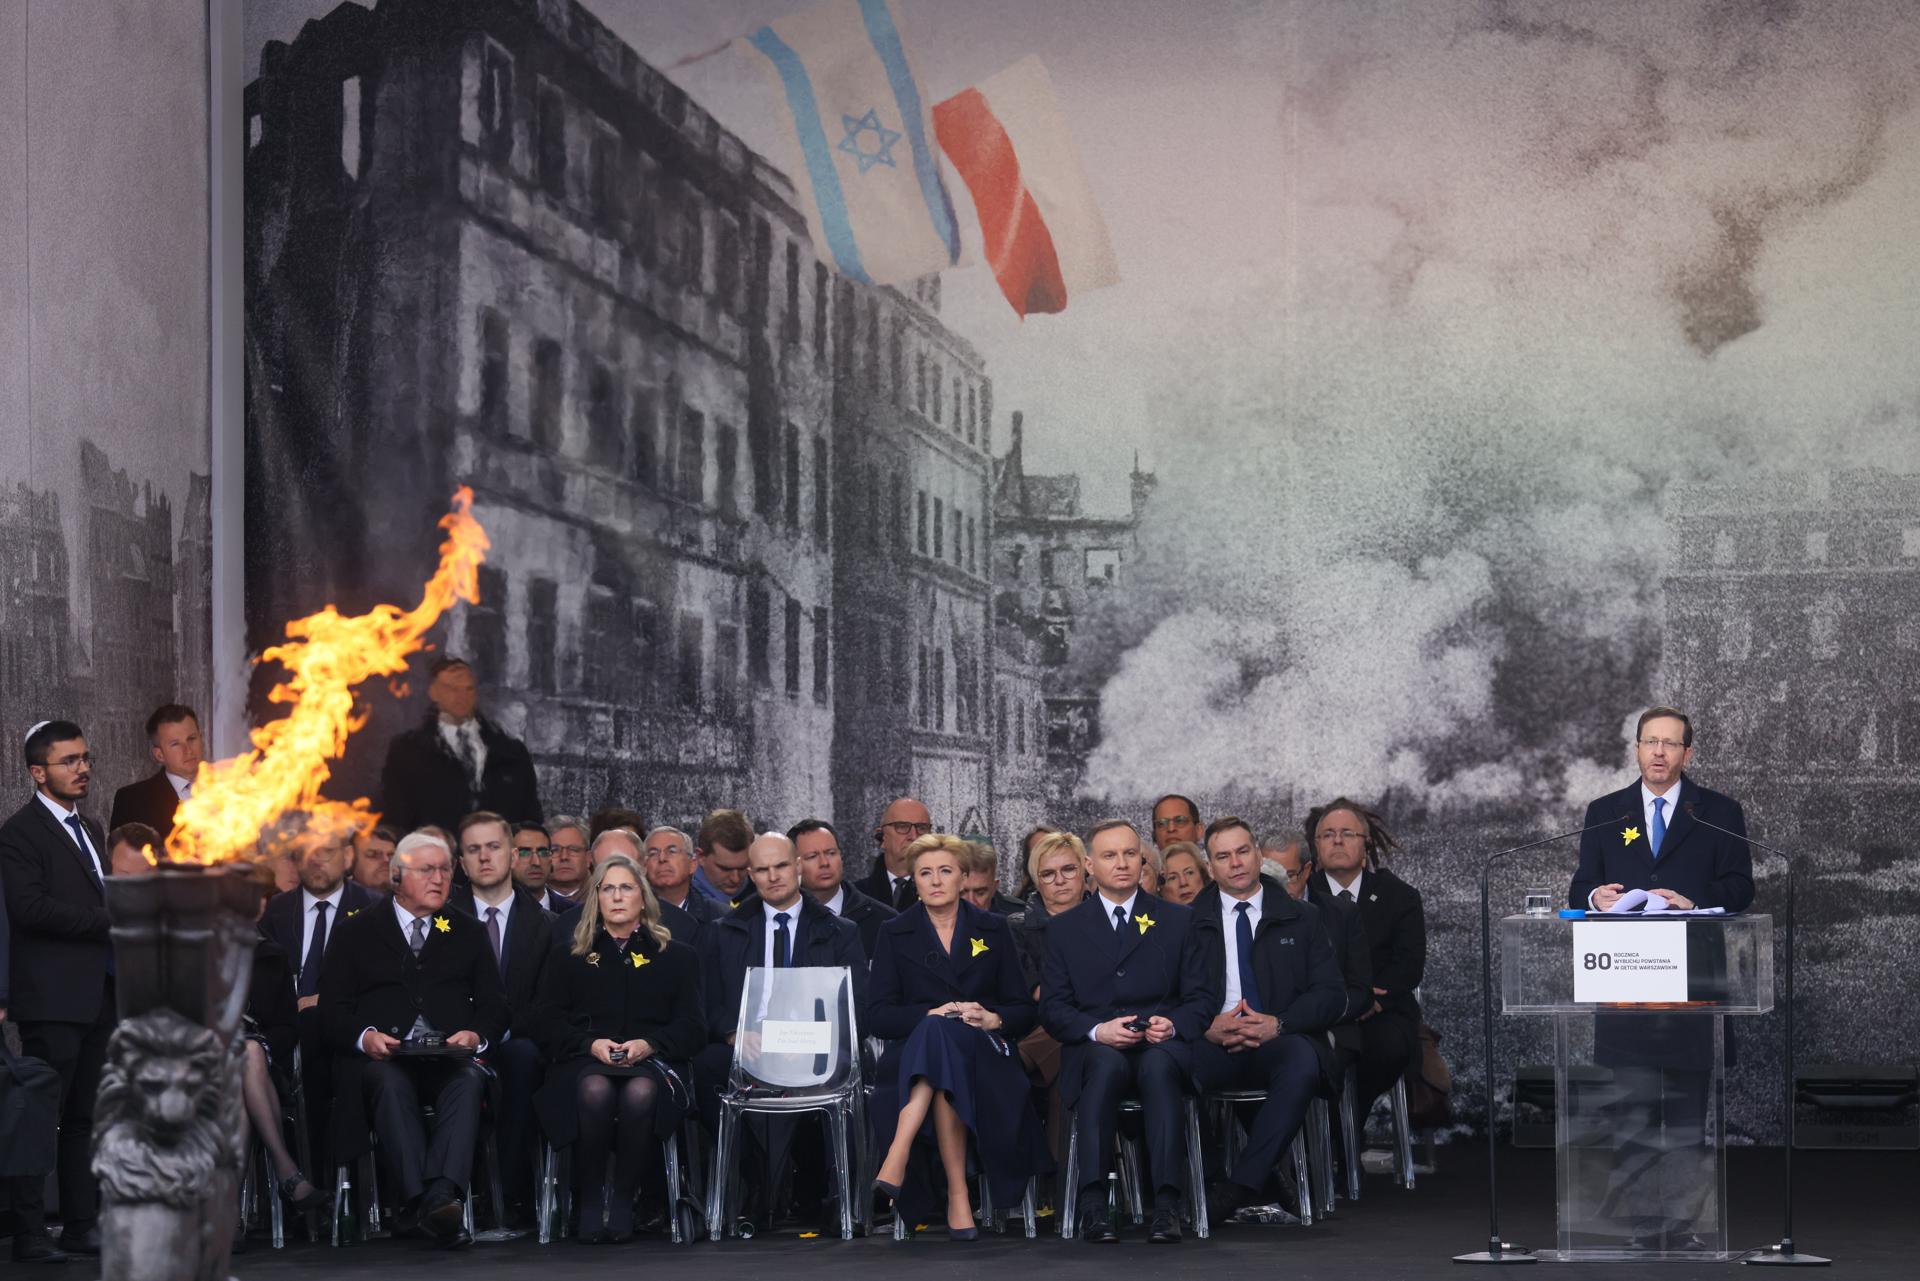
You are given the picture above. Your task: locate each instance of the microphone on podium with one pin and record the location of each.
(1781, 1254)
(1499, 1251)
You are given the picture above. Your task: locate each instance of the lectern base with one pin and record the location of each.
(1637, 1256)
(1784, 1255)
(1508, 1254)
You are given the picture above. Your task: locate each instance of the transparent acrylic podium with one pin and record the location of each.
(1639, 1008)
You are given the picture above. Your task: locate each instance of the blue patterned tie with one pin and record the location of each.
(1243, 943)
(1658, 829)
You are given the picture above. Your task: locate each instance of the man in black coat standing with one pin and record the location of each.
(173, 738)
(1280, 987)
(54, 862)
(406, 973)
(1124, 989)
(1350, 842)
(521, 934)
(457, 762)
(823, 876)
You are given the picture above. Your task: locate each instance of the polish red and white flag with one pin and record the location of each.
(1043, 233)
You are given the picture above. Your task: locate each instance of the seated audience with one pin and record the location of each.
(948, 995)
(411, 993)
(372, 852)
(173, 740)
(520, 935)
(1185, 866)
(567, 846)
(1150, 869)
(721, 850)
(823, 877)
(1027, 887)
(901, 824)
(532, 856)
(622, 1013)
(1342, 921)
(1175, 818)
(271, 1026)
(982, 886)
(132, 849)
(1269, 957)
(683, 926)
(669, 864)
(1350, 843)
(1124, 989)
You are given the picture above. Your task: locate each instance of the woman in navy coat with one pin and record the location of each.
(619, 1017)
(947, 991)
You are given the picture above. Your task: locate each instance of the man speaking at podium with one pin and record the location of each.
(1661, 1064)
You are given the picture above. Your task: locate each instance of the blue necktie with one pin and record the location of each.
(782, 945)
(1119, 918)
(1658, 828)
(1243, 940)
(309, 984)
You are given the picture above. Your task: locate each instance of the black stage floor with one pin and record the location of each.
(1858, 1207)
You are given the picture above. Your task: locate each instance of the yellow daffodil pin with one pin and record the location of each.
(979, 946)
(1144, 921)
(442, 924)
(1629, 836)
(638, 960)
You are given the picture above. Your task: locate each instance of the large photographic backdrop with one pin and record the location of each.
(1480, 373)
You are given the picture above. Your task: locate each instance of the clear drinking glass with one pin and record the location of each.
(1538, 901)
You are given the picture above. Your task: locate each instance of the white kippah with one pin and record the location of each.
(35, 729)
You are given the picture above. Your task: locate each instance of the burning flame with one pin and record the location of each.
(325, 655)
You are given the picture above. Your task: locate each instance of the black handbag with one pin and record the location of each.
(29, 1113)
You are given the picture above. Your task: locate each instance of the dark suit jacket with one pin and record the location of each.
(272, 1009)
(531, 931)
(5, 944)
(1395, 922)
(1709, 867)
(57, 909)
(737, 942)
(867, 914)
(878, 886)
(1093, 973)
(423, 782)
(372, 979)
(152, 801)
(912, 973)
(658, 1002)
(282, 921)
(1350, 948)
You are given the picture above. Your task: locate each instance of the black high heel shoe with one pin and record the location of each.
(963, 1234)
(891, 1191)
(315, 1199)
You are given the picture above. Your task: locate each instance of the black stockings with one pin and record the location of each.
(615, 1114)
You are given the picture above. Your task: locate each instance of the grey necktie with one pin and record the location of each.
(419, 939)
(493, 937)
(1347, 895)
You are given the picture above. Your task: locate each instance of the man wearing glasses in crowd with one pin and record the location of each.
(1175, 818)
(567, 866)
(891, 880)
(532, 862)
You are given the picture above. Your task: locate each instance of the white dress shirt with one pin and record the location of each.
(469, 730)
(60, 815)
(837, 904)
(481, 907)
(182, 787)
(308, 916)
(1229, 914)
(1668, 812)
(1353, 889)
(793, 931)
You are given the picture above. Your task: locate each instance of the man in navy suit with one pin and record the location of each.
(1125, 991)
(304, 922)
(55, 864)
(779, 927)
(521, 935)
(1653, 835)
(823, 875)
(173, 737)
(1281, 986)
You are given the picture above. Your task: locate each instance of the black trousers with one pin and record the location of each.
(1388, 1044)
(410, 1155)
(316, 1086)
(766, 1142)
(1289, 1071)
(520, 1069)
(1155, 1077)
(78, 1052)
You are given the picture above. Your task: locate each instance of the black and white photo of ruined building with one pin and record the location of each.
(1481, 373)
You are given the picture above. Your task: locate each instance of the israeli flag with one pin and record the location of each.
(861, 151)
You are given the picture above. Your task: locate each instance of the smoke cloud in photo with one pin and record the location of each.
(1539, 262)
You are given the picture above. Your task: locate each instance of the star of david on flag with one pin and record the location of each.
(861, 149)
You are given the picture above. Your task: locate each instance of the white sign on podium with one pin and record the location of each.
(1629, 961)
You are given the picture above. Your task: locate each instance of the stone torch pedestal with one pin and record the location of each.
(169, 1125)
